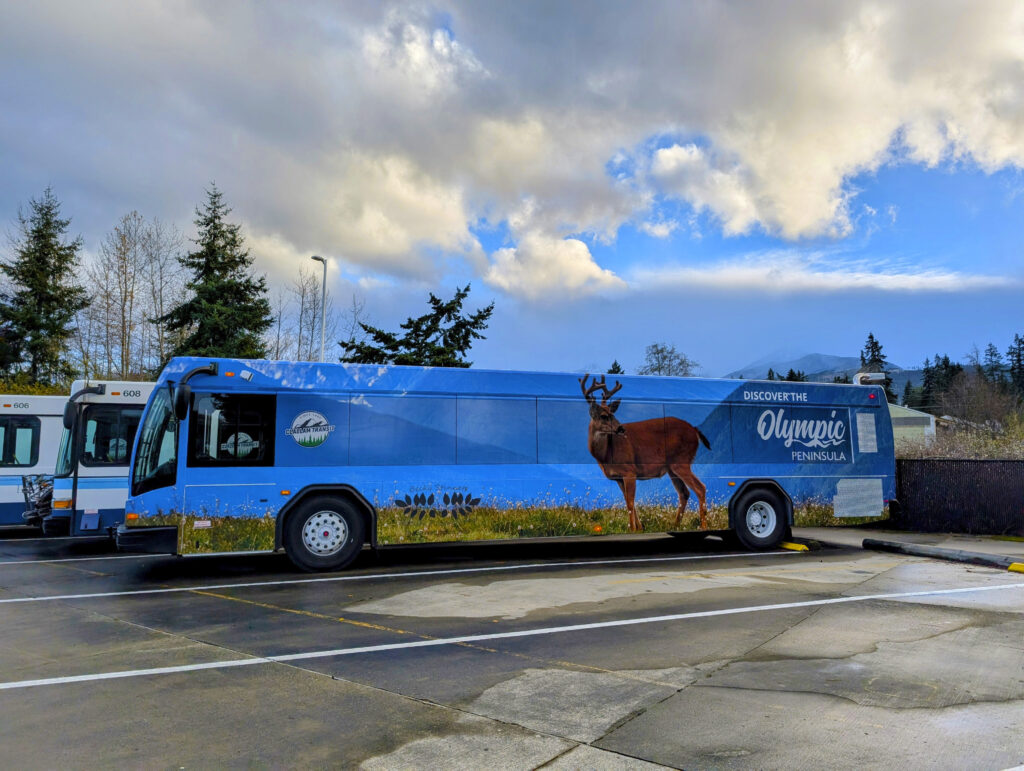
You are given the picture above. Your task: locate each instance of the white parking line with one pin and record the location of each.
(57, 538)
(407, 574)
(84, 559)
(322, 654)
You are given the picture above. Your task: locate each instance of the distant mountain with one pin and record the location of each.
(822, 368)
(808, 363)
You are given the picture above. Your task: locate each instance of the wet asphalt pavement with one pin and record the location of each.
(601, 653)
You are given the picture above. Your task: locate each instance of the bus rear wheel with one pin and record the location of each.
(760, 518)
(323, 533)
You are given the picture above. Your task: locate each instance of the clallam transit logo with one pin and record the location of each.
(310, 429)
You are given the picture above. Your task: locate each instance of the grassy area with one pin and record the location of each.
(395, 526)
(225, 534)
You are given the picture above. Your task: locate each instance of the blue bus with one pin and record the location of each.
(29, 432)
(320, 459)
(91, 479)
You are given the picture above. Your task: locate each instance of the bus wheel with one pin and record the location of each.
(760, 518)
(323, 534)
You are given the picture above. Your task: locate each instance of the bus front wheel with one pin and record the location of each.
(323, 533)
(760, 518)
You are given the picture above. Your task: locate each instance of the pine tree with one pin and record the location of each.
(992, 367)
(1015, 364)
(438, 338)
(770, 375)
(872, 359)
(228, 311)
(616, 368)
(796, 376)
(36, 316)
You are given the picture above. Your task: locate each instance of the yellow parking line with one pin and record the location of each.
(793, 546)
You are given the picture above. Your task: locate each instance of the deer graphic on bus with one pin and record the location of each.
(645, 449)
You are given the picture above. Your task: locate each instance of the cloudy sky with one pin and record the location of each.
(734, 178)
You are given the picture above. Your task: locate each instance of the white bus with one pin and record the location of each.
(91, 479)
(30, 429)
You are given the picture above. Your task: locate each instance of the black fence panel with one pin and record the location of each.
(982, 497)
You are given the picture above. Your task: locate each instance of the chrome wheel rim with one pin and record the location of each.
(760, 519)
(325, 533)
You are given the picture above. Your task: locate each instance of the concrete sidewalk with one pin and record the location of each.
(999, 549)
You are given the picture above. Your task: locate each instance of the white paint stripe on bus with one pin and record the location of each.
(406, 574)
(322, 654)
(84, 559)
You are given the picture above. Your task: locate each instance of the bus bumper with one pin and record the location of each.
(149, 540)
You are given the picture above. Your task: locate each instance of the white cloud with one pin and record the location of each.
(660, 228)
(789, 272)
(381, 132)
(544, 266)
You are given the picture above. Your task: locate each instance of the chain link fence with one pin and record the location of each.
(981, 497)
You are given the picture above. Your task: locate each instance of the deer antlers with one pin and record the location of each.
(597, 385)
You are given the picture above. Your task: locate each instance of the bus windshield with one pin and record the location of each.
(64, 455)
(157, 457)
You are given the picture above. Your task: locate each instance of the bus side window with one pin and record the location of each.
(19, 441)
(231, 430)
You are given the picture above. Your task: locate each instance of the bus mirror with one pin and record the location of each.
(182, 395)
(69, 415)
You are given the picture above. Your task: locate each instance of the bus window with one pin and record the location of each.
(19, 441)
(231, 430)
(109, 434)
(156, 461)
(402, 430)
(496, 430)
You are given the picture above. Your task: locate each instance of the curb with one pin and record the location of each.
(954, 555)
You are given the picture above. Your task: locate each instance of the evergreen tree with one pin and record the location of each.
(872, 359)
(438, 338)
(771, 374)
(992, 367)
(908, 395)
(616, 368)
(37, 313)
(795, 376)
(228, 311)
(1015, 364)
(844, 378)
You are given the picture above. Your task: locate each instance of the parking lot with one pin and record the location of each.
(606, 653)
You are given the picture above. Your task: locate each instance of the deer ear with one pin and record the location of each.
(595, 411)
(615, 405)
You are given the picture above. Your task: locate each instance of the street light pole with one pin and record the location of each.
(323, 303)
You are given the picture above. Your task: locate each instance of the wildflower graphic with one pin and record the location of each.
(310, 429)
(455, 505)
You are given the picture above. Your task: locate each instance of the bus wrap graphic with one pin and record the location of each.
(310, 429)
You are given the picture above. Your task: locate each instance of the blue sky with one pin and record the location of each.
(734, 179)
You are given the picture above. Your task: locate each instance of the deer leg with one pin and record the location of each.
(698, 487)
(684, 495)
(629, 489)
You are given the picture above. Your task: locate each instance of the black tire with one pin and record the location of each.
(324, 533)
(760, 518)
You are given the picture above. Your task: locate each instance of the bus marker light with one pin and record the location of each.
(131, 516)
(286, 492)
(62, 504)
(871, 396)
(229, 374)
(7, 405)
(732, 484)
(115, 393)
